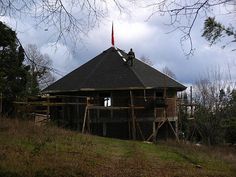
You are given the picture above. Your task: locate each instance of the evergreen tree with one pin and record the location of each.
(13, 73)
(215, 31)
(230, 122)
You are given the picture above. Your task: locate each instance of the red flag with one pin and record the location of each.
(112, 36)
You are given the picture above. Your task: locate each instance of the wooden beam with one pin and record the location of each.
(111, 111)
(160, 119)
(78, 115)
(61, 96)
(48, 108)
(85, 116)
(140, 131)
(175, 133)
(1, 104)
(160, 123)
(129, 129)
(153, 131)
(46, 103)
(177, 120)
(114, 108)
(88, 122)
(132, 116)
(155, 116)
(123, 119)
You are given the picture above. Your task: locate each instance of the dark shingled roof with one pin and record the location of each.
(109, 71)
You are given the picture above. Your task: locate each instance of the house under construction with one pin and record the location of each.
(111, 97)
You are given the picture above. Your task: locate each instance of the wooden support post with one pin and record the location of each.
(62, 110)
(165, 87)
(140, 131)
(98, 103)
(48, 108)
(104, 129)
(160, 124)
(177, 137)
(1, 105)
(154, 131)
(88, 122)
(129, 127)
(85, 116)
(177, 120)
(191, 100)
(177, 129)
(111, 105)
(155, 116)
(133, 116)
(78, 114)
(166, 119)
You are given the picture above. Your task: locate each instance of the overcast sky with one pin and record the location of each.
(147, 38)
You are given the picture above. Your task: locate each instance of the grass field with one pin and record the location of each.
(27, 150)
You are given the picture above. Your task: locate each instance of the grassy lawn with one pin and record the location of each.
(27, 150)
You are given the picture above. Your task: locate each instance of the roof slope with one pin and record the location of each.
(109, 71)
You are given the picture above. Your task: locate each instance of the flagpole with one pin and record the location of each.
(112, 36)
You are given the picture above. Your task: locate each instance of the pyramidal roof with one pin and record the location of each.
(109, 71)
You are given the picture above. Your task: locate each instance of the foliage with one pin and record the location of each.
(230, 122)
(183, 16)
(214, 112)
(13, 73)
(214, 31)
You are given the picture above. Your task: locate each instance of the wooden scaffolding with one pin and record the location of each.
(164, 111)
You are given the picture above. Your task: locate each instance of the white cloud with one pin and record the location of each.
(132, 31)
(61, 57)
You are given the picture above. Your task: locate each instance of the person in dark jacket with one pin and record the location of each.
(131, 57)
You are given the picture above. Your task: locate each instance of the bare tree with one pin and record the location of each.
(212, 96)
(73, 18)
(165, 70)
(168, 72)
(40, 64)
(68, 21)
(146, 60)
(183, 14)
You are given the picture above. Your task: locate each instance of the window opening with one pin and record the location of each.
(107, 101)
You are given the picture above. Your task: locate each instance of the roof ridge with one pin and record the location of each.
(130, 67)
(137, 76)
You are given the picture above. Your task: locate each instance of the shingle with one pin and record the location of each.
(108, 71)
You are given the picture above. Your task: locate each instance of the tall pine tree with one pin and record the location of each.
(13, 73)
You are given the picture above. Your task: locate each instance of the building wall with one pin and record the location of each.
(117, 123)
